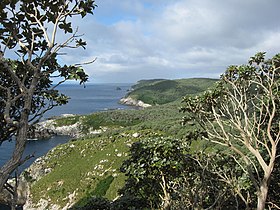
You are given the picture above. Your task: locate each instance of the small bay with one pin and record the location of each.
(92, 98)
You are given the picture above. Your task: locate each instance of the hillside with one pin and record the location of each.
(160, 91)
(89, 166)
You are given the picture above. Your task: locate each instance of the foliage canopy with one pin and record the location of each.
(30, 30)
(242, 114)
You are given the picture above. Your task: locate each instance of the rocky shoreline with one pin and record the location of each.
(133, 102)
(46, 129)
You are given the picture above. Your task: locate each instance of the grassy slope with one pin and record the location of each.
(83, 165)
(165, 91)
(79, 166)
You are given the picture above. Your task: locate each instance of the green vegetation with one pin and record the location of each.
(78, 165)
(66, 121)
(161, 158)
(27, 85)
(165, 119)
(100, 191)
(164, 91)
(153, 163)
(241, 114)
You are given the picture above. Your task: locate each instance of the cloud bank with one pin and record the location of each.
(143, 39)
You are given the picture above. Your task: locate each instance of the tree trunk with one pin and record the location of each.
(15, 161)
(21, 134)
(263, 189)
(262, 194)
(166, 199)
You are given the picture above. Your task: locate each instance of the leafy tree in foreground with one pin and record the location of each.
(153, 168)
(30, 29)
(165, 174)
(242, 114)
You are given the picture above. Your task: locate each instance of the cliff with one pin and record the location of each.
(33, 174)
(133, 102)
(48, 128)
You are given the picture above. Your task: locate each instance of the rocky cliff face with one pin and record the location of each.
(47, 129)
(39, 132)
(34, 173)
(133, 102)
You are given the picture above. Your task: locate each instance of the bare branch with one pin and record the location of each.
(85, 63)
(40, 25)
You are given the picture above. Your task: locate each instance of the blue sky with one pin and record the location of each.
(146, 39)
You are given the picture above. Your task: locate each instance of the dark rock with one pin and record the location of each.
(40, 133)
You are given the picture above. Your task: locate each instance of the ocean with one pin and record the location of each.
(92, 98)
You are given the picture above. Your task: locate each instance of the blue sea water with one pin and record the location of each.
(92, 98)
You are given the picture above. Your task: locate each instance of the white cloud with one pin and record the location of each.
(140, 39)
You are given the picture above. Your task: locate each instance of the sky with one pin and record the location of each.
(147, 39)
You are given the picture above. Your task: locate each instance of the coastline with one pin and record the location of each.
(47, 129)
(99, 98)
(133, 102)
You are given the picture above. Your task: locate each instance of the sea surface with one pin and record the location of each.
(92, 98)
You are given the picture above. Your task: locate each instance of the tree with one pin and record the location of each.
(167, 173)
(153, 168)
(242, 114)
(30, 29)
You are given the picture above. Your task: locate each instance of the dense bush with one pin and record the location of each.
(96, 203)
